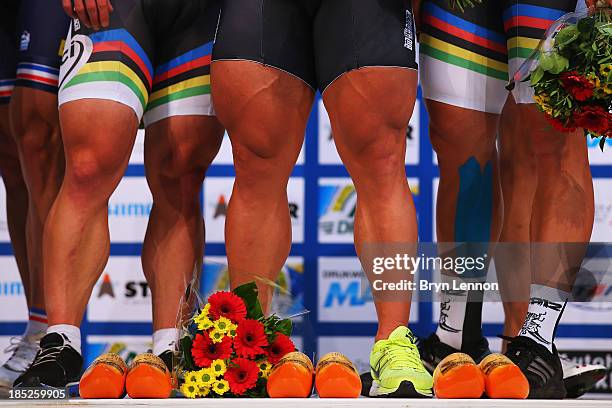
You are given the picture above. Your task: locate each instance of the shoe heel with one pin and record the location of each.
(104, 379)
(503, 378)
(148, 377)
(458, 376)
(337, 377)
(291, 377)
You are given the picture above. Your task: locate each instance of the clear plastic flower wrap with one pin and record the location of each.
(227, 345)
(571, 73)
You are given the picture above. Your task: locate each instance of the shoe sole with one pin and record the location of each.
(506, 382)
(405, 390)
(463, 381)
(553, 390)
(578, 385)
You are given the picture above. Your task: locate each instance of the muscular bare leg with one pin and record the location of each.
(265, 112)
(373, 150)
(35, 124)
(178, 151)
(16, 199)
(98, 138)
(469, 203)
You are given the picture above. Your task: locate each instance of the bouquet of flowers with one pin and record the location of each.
(229, 346)
(463, 4)
(571, 73)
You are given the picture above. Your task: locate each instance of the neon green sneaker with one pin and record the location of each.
(396, 367)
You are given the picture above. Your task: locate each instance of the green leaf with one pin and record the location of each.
(186, 343)
(285, 326)
(609, 78)
(537, 75)
(248, 292)
(546, 61)
(586, 25)
(560, 64)
(566, 36)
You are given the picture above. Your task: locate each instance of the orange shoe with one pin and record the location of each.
(104, 378)
(458, 376)
(337, 377)
(291, 377)
(148, 377)
(503, 378)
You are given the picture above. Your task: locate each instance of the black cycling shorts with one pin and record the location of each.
(154, 58)
(317, 40)
(32, 36)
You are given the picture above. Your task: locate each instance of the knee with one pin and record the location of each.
(89, 174)
(264, 163)
(36, 134)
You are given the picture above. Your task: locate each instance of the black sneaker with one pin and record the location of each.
(541, 367)
(433, 351)
(55, 365)
(168, 358)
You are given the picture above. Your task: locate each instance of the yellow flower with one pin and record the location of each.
(206, 310)
(218, 367)
(223, 325)
(594, 80)
(220, 387)
(205, 377)
(264, 368)
(203, 322)
(605, 69)
(608, 88)
(189, 389)
(191, 377)
(232, 331)
(203, 391)
(216, 336)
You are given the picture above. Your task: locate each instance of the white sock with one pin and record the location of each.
(545, 308)
(452, 316)
(37, 323)
(71, 334)
(164, 340)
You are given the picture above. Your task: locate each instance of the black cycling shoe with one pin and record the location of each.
(168, 359)
(541, 367)
(432, 351)
(55, 365)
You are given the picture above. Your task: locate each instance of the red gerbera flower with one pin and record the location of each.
(242, 375)
(594, 118)
(250, 338)
(281, 346)
(577, 85)
(227, 304)
(204, 351)
(559, 125)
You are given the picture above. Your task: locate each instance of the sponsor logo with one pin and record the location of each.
(11, 288)
(106, 288)
(77, 51)
(444, 309)
(408, 32)
(134, 209)
(24, 42)
(532, 326)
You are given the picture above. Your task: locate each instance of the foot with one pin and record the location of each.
(396, 368)
(168, 358)
(55, 365)
(580, 378)
(432, 351)
(23, 352)
(541, 367)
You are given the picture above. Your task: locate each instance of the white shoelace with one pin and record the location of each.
(24, 350)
